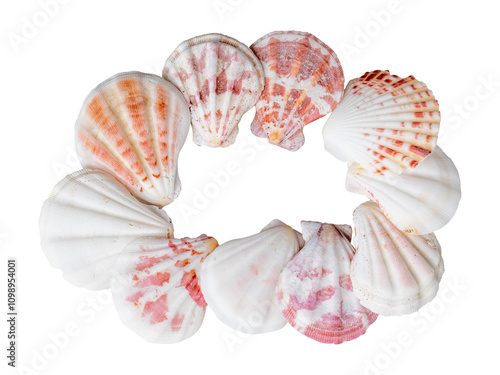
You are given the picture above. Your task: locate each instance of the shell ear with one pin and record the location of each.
(295, 142)
(346, 230)
(309, 229)
(289, 230)
(256, 128)
(273, 224)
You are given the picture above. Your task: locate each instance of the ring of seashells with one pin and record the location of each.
(104, 226)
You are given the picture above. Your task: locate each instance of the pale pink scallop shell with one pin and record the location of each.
(304, 81)
(393, 272)
(239, 278)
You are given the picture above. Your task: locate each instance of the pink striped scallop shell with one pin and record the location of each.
(221, 79)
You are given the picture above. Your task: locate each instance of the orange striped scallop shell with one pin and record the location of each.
(133, 126)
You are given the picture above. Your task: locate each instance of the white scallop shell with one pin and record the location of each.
(418, 201)
(384, 123)
(156, 289)
(393, 272)
(88, 220)
(133, 126)
(239, 278)
(221, 79)
(315, 291)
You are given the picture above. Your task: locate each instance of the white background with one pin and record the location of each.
(452, 46)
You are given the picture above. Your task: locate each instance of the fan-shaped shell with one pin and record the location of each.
(239, 278)
(133, 126)
(392, 272)
(88, 220)
(315, 291)
(156, 289)
(384, 123)
(418, 201)
(221, 79)
(304, 81)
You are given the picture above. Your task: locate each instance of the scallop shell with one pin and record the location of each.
(393, 272)
(239, 278)
(88, 220)
(221, 79)
(156, 289)
(315, 291)
(304, 81)
(419, 200)
(384, 123)
(133, 126)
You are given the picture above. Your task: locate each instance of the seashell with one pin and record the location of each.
(221, 79)
(384, 123)
(315, 291)
(133, 126)
(418, 201)
(239, 278)
(156, 289)
(393, 272)
(88, 220)
(304, 81)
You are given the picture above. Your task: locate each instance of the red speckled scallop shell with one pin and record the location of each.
(384, 123)
(156, 289)
(304, 81)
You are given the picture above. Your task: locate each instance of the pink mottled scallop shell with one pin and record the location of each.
(221, 79)
(315, 291)
(393, 272)
(156, 289)
(304, 81)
